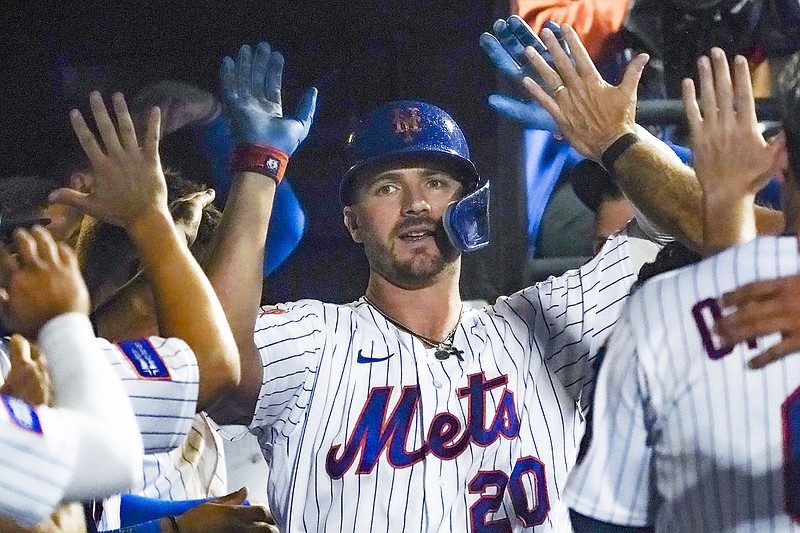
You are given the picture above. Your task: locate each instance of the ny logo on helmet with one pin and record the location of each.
(407, 122)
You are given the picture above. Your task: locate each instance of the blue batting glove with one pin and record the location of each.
(251, 90)
(505, 47)
(529, 113)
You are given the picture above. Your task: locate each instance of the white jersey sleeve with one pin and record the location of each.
(38, 452)
(161, 378)
(86, 446)
(567, 318)
(611, 481)
(290, 339)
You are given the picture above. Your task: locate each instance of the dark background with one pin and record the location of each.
(357, 53)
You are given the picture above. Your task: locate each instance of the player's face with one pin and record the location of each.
(398, 217)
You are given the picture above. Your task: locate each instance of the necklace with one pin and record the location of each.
(444, 349)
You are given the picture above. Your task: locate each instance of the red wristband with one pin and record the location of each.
(259, 158)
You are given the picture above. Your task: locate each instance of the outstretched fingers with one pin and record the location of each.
(152, 135)
(550, 77)
(584, 65)
(545, 100)
(274, 78)
(244, 64)
(708, 98)
(227, 80)
(509, 42)
(108, 133)
(564, 67)
(633, 74)
(306, 108)
(67, 196)
(259, 74)
(86, 138)
(525, 35)
(743, 91)
(127, 133)
(690, 107)
(26, 248)
(45, 245)
(498, 56)
(723, 86)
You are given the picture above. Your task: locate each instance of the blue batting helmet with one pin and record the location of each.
(398, 130)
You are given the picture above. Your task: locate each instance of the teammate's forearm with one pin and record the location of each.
(234, 266)
(664, 189)
(728, 220)
(187, 306)
(668, 192)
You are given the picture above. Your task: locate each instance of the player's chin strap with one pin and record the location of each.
(466, 221)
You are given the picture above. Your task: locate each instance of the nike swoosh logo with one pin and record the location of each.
(367, 360)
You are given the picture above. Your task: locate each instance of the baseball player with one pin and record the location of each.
(160, 374)
(87, 445)
(685, 437)
(403, 410)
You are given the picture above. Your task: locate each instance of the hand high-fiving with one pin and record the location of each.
(128, 180)
(251, 90)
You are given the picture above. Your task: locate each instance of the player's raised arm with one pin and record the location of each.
(598, 119)
(88, 445)
(732, 160)
(265, 139)
(769, 306)
(129, 191)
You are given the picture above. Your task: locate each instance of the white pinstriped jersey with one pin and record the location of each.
(183, 454)
(38, 452)
(365, 430)
(164, 404)
(164, 398)
(685, 437)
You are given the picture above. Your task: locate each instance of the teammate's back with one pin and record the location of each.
(719, 436)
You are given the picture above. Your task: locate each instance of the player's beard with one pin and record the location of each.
(421, 269)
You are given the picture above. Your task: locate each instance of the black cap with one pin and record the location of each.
(9, 224)
(592, 184)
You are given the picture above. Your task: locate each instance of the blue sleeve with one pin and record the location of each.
(147, 527)
(135, 510)
(681, 151)
(288, 220)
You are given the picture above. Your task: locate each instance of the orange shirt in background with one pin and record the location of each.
(597, 22)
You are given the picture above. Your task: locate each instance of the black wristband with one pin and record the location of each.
(616, 149)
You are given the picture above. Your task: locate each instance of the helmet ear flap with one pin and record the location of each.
(466, 221)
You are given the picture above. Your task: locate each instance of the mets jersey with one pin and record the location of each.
(684, 436)
(182, 458)
(365, 430)
(38, 453)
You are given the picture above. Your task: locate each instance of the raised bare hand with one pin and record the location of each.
(730, 155)
(128, 180)
(28, 378)
(590, 112)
